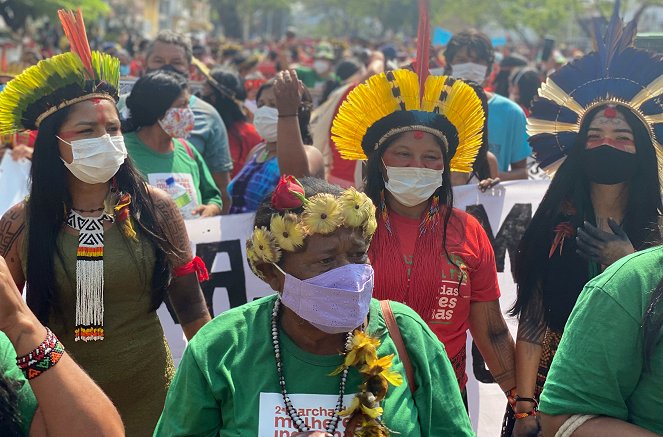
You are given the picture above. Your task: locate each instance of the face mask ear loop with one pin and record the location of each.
(66, 142)
(279, 268)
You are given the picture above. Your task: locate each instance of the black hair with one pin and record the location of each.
(476, 42)
(225, 99)
(151, 96)
(303, 113)
(528, 81)
(46, 209)
(171, 37)
(571, 185)
(10, 416)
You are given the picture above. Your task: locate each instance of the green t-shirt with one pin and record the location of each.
(27, 403)
(227, 383)
(599, 366)
(191, 172)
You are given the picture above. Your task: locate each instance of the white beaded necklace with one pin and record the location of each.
(292, 412)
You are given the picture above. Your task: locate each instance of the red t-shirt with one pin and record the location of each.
(242, 137)
(470, 249)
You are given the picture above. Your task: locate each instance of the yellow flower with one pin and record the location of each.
(362, 349)
(264, 246)
(356, 404)
(322, 214)
(355, 206)
(381, 367)
(370, 226)
(287, 231)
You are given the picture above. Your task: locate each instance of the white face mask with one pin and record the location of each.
(412, 186)
(321, 66)
(96, 160)
(265, 120)
(470, 71)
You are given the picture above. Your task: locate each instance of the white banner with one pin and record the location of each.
(504, 211)
(14, 177)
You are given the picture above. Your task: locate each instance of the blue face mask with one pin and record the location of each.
(124, 70)
(2, 86)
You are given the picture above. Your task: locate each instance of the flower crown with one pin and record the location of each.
(322, 214)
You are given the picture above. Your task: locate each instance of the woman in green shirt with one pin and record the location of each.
(320, 355)
(155, 138)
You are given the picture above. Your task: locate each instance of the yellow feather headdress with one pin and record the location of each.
(59, 81)
(391, 103)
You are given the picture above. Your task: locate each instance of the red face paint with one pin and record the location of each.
(623, 145)
(68, 135)
(610, 112)
(101, 114)
(418, 135)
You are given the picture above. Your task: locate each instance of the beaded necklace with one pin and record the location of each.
(292, 412)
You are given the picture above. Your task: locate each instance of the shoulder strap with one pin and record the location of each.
(185, 143)
(395, 333)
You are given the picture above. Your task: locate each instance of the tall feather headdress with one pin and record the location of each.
(398, 101)
(59, 81)
(615, 73)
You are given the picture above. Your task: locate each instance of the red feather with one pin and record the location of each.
(74, 29)
(423, 46)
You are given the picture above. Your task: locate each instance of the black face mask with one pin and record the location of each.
(608, 166)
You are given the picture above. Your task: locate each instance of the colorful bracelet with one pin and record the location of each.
(518, 416)
(45, 356)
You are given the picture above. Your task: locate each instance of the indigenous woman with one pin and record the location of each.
(320, 356)
(282, 118)
(438, 260)
(98, 250)
(600, 135)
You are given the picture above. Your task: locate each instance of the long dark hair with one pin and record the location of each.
(151, 96)
(225, 99)
(571, 185)
(47, 206)
(303, 113)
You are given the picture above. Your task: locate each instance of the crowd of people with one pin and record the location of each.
(348, 158)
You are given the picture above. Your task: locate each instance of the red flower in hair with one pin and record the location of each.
(288, 194)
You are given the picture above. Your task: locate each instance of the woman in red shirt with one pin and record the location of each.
(427, 254)
(223, 90)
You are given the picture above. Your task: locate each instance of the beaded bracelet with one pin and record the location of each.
(45, 356)
(518, 416)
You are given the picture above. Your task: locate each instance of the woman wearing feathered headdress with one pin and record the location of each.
(98, 250)
(414, 130)
(597, 123)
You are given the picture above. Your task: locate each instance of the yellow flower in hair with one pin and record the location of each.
(322, 214)
(264, 246)
(287, 231)
(370, 226)
(362, 349)
(381, 367)
(355, 207)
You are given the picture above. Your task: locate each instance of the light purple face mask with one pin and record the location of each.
(334, 302)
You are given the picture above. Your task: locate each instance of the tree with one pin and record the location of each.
(236, 17)
(16, 12)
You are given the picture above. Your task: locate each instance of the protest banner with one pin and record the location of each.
(505, 212)
(14, 181)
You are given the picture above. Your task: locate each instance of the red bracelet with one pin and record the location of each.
(196, 266)
(524, 415)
